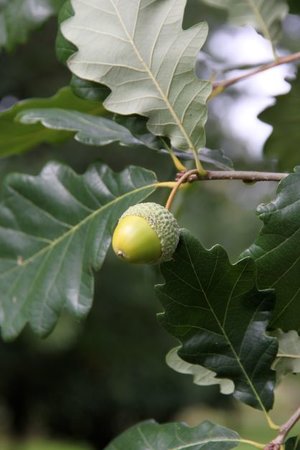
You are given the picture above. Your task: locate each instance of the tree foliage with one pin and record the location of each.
(133, 83)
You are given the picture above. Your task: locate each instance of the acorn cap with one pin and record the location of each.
(162, 222)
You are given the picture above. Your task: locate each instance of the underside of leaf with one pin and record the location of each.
(288, 357)
(201, 375)
(264, 15)
(140, 51)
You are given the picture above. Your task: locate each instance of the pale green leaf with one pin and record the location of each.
(140, 51)
(288, 357)
(175, 436)
(201, 375)
(265, 16)
(55, 229)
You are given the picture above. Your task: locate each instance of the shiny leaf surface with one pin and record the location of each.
(175, 436)
(276, 252)
(89, 129)
(55, 229)
(216, 311)
(17, 137)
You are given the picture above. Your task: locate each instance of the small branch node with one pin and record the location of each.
(278, 442)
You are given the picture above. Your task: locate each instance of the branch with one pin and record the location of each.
(283, 432)
(247, 176)
(219, 86)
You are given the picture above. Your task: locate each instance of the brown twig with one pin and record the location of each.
(276, 444)
(219, 86)
(247, 176)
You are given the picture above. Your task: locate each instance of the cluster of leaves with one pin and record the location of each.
(134, 83)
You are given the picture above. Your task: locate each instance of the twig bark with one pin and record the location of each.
(277, 443)
(219, 86)
(247, 176)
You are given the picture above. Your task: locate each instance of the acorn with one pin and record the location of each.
(146, 233)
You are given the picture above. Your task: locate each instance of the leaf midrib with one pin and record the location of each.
(228, 340)
(260, 19)
(75, 228)
(263, 25)
(156, 84)
(205, 441)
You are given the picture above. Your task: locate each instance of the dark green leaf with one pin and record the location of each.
(90, 130)
(220, 317)
(294, 6)
(89, 90)
(138, 127)
(175, 436)
(54, 231)
(19, 18)
(64, 48)
(147, 62)
(93, 130)
(17, 137)
(209, 158)
(284, 117)
(293, 443)
(276, 252)
(216, 158)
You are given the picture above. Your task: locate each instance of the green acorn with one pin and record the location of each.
(146, 233)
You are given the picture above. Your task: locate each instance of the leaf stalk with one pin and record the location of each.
(176, 161)
(277, 443)
(184, 177)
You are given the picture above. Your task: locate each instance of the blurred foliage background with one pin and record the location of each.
(89, 381)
